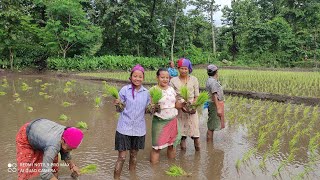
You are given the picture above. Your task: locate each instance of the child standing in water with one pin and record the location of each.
(131, 128)
(165, 133)
(216, 105)
(188, 121)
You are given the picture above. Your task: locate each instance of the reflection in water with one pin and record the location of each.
(214, 161)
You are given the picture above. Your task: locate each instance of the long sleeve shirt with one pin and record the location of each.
(132, 121)
(45, 135)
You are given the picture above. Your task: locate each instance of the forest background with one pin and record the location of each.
(114, 34)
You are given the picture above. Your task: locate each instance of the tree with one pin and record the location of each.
(14, 28)
(210, 8)
(68, 26)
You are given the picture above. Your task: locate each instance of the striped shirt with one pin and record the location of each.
(131, 121)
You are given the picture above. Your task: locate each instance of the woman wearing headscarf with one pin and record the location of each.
(38, 144)
(188, 121)
(131, 128)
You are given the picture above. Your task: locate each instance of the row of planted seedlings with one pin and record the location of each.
(305, 84)
(285, 132)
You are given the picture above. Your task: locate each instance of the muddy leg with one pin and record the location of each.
(196, 143)
(209, 135)
(119, 164)
(154, 156)
(171, 152)
(183, 143)
(133, 160)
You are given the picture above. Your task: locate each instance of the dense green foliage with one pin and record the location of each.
(31, 31)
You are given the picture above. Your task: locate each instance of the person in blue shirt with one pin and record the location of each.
(172, 70)
(131, 128)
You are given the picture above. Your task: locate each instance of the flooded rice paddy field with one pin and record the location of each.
(262, 139)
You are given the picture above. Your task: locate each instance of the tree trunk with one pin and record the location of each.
(174, 29)
(212, 29)
(11, 59)
(64, 53)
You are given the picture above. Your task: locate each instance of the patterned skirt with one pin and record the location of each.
(165, 133)
(29, 160)
(125, 142)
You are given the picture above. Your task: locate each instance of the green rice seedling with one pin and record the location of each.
(42, 93)
(47, 96)
(97, 102)
(17, 100)
(294, 140)
(29, 109)
(184, 93)
(38, 81)
(67, 90)
(156, 94)
(68, 83)
(238, 164)
(63, 117)
(25, 87)
(5, 83)
(248, 154)
(82, 125)
(176, 171)
(67, 104)
(2, 93)
(313, 143)
(91, 168)
(113, 91)
(16, 95)
(202, 98)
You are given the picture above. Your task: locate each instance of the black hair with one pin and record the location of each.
(160, 70)
(211, 73)
(67, 127)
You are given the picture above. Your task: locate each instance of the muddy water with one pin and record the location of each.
(215, 160)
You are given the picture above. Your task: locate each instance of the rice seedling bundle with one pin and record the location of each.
(25, 87)
(37, 80)
(156, 94)
(176, 171)
(113, 91)
(184, 93)
(67, 104)
(63, 117)
(202, 98)
(2, 93)
(91, 168)
(97, 102)
(82, 125)
(30, 109)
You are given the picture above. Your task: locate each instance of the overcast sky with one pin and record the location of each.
(217, 15)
